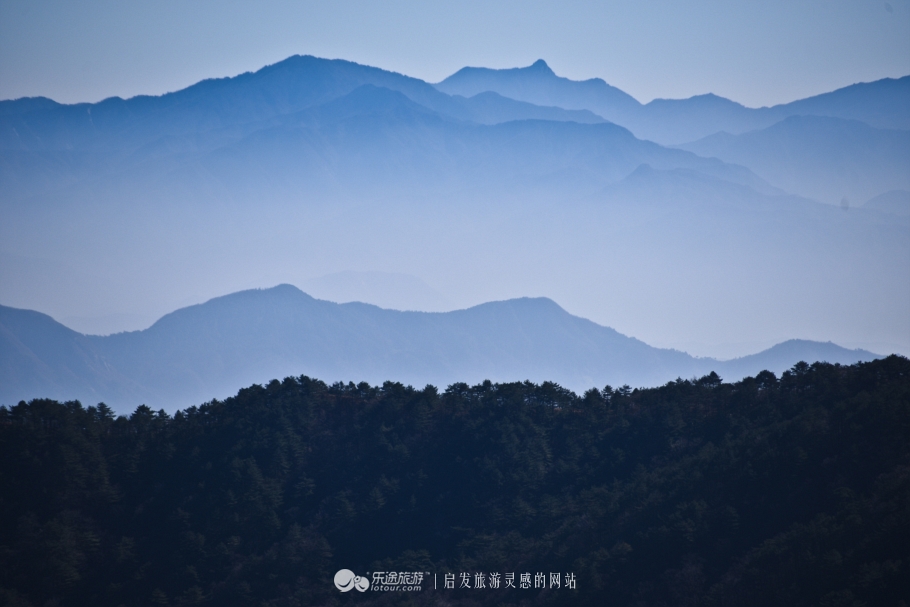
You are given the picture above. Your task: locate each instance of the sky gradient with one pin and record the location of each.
(757, 53)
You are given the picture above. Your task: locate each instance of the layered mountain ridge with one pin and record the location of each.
(211, 350)
(520, 185)
(881, 104)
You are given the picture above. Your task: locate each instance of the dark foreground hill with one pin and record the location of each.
(213, 349)
(770, 491)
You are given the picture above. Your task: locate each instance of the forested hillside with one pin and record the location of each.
(770, 491)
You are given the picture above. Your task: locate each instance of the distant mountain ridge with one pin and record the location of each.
(820, 157)
(46, 147)
(288, 86)
(372, 136)
(539, 83)
(213, 349)
(881, 104)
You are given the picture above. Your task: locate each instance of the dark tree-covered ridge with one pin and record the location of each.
(791, 491)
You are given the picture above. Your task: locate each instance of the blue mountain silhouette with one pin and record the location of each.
(213, 349)
(881, 104)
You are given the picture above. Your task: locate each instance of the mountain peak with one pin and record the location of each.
(541, 66)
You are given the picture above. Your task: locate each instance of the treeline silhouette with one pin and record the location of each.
(769, 491)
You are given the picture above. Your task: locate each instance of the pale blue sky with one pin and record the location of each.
(758, 53)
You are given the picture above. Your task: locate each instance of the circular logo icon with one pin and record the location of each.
(345, 580)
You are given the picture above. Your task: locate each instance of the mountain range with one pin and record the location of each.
(321, 108)
(491, 185)
(881, 104)
(211, 350)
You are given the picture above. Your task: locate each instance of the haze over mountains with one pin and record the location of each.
(212, 350)
(492, 185)
(819, 157)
